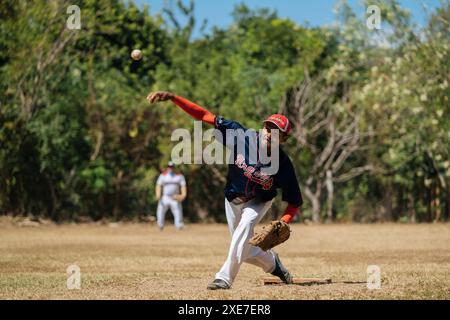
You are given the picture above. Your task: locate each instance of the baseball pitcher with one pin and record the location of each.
(249, 192)
(173, 192)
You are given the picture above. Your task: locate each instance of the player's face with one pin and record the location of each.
(269, 137)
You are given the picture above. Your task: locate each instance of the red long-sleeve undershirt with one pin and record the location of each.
(194, 110)
(204, 115)
(289, 213)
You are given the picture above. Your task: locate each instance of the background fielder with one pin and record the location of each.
(174, 191)
(248, 193)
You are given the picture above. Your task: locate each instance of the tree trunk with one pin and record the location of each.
(398, 210)
(447, 205)
(385, 212)
(429, 209)
(315, 202)
(437, 204)
(412, 209)
(330, 196)
(52, 209)
(316, 210)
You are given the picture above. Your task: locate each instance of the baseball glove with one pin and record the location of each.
(271, 235)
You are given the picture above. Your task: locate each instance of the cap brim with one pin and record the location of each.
(274, 124)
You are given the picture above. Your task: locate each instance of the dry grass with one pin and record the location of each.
(138, 261)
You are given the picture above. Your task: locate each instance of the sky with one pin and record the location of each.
(311, 12)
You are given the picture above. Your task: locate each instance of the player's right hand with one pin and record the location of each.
(178, 197)
(158, 96)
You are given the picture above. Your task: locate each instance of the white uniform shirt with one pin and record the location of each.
(171, 183)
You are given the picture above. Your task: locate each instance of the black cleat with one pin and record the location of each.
(281, 272)
(218, 284)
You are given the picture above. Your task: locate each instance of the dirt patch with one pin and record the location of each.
(137, 261)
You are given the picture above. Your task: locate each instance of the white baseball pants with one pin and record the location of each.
(242, 220)
(175, 208)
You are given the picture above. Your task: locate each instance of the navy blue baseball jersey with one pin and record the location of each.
(245, 177)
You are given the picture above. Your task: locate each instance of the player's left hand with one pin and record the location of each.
(273, 234)
(158, 96)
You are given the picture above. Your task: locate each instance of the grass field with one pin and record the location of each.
(137, 261)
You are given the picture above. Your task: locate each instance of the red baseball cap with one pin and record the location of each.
(280, 121)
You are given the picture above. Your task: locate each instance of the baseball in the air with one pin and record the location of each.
(136, 54)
